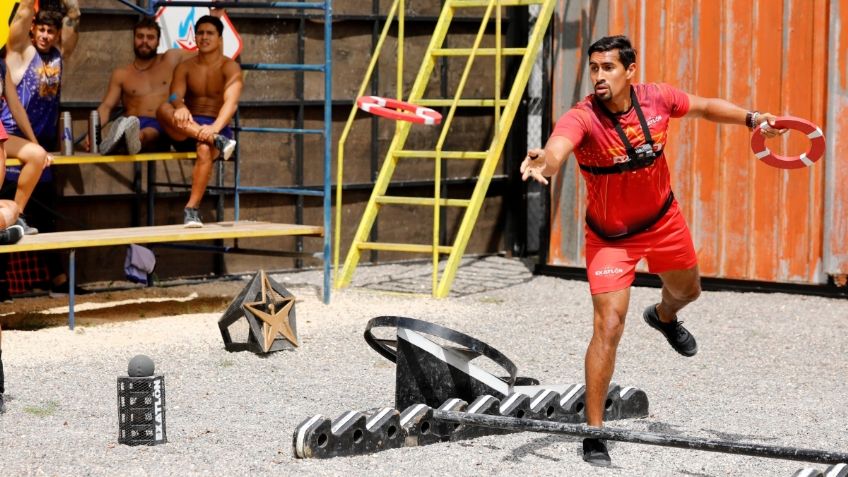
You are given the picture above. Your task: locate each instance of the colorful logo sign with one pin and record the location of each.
(177, 25)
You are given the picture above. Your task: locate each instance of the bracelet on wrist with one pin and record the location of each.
(751, 119)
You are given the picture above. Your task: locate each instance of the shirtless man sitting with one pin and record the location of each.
(141, 87)
(204, 96)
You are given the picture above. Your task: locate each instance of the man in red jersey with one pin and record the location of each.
(618, 135)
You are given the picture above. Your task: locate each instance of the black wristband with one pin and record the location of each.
(749, 119)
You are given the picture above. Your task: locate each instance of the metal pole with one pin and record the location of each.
(328, 141)
(624, 435)
(298, 139)
(72, 278)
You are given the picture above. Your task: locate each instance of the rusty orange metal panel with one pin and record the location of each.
(836, 206)
(748, 220)
(704, 174)
(734, 228)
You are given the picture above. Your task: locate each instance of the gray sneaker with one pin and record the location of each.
(191, 218)
(118, 131)
(226, 145)
(132, 135)
(2, 404)
(13, 234)
(27, 229)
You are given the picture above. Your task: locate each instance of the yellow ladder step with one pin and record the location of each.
(480, 51)
(430, 201)
(467, 103)
(485, 3)
(445, 154)
(402, 247)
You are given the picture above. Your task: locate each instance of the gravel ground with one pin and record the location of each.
(771, 368)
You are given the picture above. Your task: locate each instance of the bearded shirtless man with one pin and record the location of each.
(141, 87)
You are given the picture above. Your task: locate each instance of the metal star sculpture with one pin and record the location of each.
(269, 311)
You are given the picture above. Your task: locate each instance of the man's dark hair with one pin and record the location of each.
(215, 21)
(148, 22)
(49, 18)
(626, 52)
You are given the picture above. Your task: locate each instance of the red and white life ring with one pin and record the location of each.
(763, 153)
(388, 108)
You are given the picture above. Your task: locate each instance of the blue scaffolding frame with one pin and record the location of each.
(325, 68)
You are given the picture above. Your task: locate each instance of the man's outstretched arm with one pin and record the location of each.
(722, 111)
(542, 163)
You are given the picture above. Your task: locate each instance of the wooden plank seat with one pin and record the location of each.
(157, 234)
(88, 158)
(71, 240)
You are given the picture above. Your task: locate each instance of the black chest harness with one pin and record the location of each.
(639, 158)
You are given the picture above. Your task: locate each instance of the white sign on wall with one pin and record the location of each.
(177, 25)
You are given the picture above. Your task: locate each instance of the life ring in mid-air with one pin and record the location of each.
(763, 153)
(398, 110)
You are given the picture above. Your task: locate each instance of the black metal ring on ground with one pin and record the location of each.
(433, 329)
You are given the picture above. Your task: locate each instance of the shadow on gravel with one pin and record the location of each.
(474, 275)
(694, 474)
(728, 436)
(538, 444)
(36, 319)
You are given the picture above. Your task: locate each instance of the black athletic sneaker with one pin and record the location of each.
(678, 337)
(12, 234)
(595, 452)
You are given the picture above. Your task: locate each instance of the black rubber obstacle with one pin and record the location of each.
(444, 396)
(429, 376)
(650, 438)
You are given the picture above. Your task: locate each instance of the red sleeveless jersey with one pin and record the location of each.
(616, 202)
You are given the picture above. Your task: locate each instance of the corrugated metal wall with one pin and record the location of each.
(749, 221)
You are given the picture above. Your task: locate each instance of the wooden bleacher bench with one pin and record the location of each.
(156, 234)
(88, 158)
(153, 234)
(74, 239)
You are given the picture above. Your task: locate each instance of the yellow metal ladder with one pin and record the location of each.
(504, 113)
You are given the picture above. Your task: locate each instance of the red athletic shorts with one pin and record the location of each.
(666, 245)
(3, 135)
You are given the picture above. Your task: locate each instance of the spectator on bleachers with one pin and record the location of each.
(141, 87)
(33, 156)
(37, 45)
(34, 64)
(204, 96)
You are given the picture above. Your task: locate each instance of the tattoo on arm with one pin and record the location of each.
(71, 22)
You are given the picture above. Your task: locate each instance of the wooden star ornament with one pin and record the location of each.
(275, 318)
